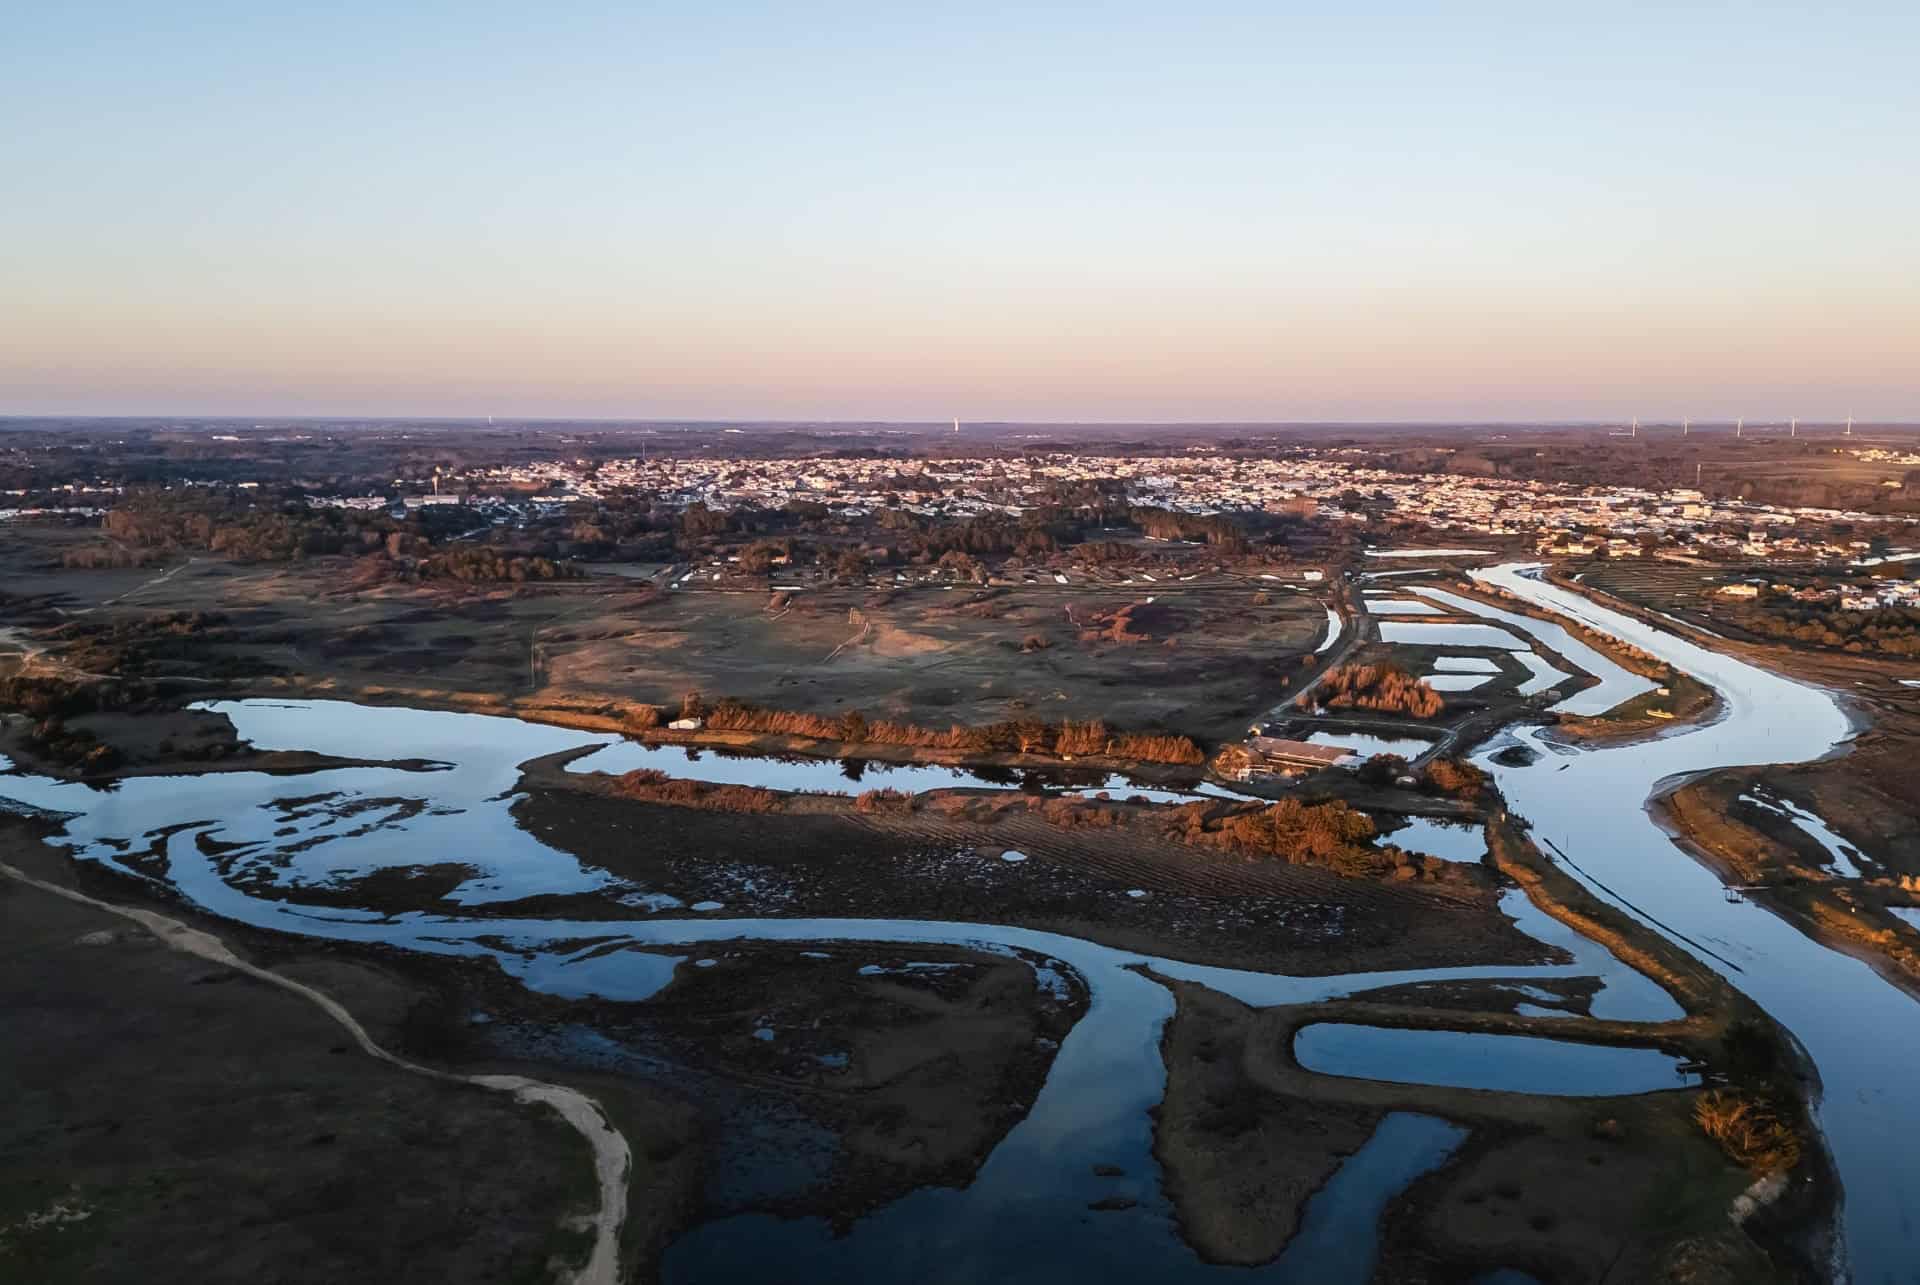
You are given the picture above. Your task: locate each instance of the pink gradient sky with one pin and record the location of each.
(1237, 212)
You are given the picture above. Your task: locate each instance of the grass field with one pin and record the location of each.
(1200, 657)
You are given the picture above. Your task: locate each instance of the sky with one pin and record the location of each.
(1113, 212)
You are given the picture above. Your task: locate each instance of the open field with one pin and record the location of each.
(200, 1126)
(1201, 657)
(1688, 593)
(1684, 590)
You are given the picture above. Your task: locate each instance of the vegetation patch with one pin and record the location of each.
(1387, 689)
(1022, 736)
(1750, 1129)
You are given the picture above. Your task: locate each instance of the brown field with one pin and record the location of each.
(1201, 659)
(1678, 589)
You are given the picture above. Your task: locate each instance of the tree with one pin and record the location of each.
(1382, 769)
(850, 565)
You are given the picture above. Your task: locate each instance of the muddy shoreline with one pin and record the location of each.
(1767, 874)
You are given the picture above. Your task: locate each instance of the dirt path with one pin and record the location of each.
(612, 1159)
(854, 616)
(1357, 626)
(142, 587)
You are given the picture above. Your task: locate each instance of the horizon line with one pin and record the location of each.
(939, 425)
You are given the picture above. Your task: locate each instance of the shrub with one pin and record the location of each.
(1026, 735)
(1294, 831)
(1750, 1048)
(1749, 1130)
(1454, 777)
(1073, 814)
(1089, 737)
(884, 800)
(73, 747)
(1382, 769)
(1385, 688)
(1157, 748)
(654, 786)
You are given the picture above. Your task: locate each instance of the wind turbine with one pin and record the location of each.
(1793, 428)
(1635, 430)
(1739, 426)
(1686, 425)
(1849, 425)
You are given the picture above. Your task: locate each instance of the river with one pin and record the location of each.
(1861, 1031)
(246, 845)
(243, 845)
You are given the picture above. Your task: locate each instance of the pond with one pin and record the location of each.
(1466, 665)
(1333, 632)
(1367, 745)
(1541, 676)
(1453, 840)
(851, 776)
(1617, 684)
(1476, 1060)
(1448, 633)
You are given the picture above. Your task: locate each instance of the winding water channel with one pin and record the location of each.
(245, 845)
(1861, 1031)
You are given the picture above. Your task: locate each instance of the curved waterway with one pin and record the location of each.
(838, 776)
(246, 846)
(1862, 1032)
(1478, 1060)
(220, 838)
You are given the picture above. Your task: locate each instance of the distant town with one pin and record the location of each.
(1350, 487)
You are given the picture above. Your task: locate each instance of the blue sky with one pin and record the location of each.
(854, 210)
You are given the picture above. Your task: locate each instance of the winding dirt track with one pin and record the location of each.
(612, 1158)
